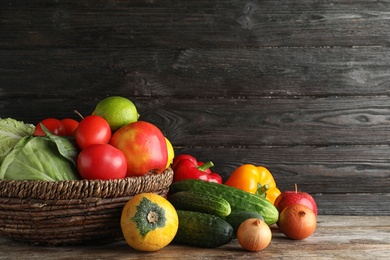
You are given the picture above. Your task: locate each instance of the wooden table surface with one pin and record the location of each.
(336, 237)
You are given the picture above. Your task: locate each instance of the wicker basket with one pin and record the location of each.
(71, 212)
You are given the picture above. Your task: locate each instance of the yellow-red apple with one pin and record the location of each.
(144, 147)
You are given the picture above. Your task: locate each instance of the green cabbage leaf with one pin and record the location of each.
(46, 158)
(11, 131)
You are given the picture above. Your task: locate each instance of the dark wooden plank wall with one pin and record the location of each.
(301, 87)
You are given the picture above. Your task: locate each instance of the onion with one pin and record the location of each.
(297, 221)
(254, 234)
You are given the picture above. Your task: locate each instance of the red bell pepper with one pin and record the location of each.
(186, 166)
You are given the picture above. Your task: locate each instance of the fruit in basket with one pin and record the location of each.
(149, 222)
(64, 126)
(70, 125)
(101, 161)
(117, 110)
(144, 147)
(297, 221)
(92, 130)
(52, 124)
(171, 153)
(287, 198)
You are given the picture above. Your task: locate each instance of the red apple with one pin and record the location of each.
(287, 198)
(144, 147)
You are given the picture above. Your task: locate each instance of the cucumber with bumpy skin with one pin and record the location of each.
(238, 199)
(200, 202)
(235, 218)
(202, 230)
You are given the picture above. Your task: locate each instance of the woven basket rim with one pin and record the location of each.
(81, 189)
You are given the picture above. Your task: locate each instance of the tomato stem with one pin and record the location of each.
(78, 113)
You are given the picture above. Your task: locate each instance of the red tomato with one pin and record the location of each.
(52, 124)
(70, 125)
(101, 161)
(92, 130)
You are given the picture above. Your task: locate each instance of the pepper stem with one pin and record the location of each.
(206, 166)
(262, 189)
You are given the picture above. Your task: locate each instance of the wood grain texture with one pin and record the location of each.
(200, 24)
(188, 73)
(301, 87)
(358, 237)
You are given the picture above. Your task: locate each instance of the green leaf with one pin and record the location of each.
(38, 158)
(11, 131)
(66, 145)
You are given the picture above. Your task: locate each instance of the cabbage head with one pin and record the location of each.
(46, 158)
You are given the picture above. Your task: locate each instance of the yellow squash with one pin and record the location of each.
(149, 222)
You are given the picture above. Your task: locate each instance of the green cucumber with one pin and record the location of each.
(235, 218)
(202, 230)
(239, 200)
(200, 202)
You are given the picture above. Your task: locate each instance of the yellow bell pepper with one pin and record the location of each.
(255, 180)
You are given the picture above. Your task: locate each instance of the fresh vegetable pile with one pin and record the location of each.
(28, 157)
(211, 213)
(201, 210)
(110, 143)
